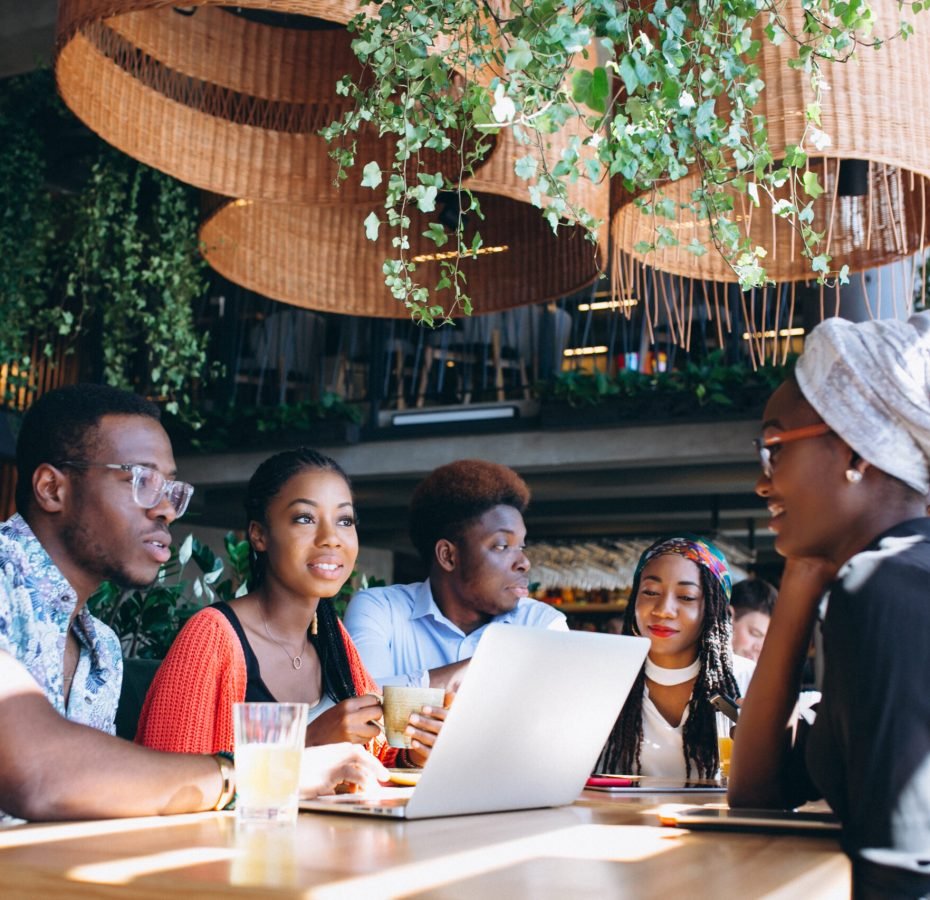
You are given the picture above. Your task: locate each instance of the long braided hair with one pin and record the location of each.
(621, 754)
(269, 478)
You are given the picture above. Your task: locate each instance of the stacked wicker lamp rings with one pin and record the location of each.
(874, 168)
(231, 102)
(306, 255)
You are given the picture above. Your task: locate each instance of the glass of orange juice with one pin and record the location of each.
(725, 751)
(269, 746)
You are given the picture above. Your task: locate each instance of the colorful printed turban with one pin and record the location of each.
(696, 549)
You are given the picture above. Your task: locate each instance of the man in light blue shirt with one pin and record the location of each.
(466, 521)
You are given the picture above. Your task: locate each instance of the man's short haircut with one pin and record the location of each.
(453, 496)
(61, 425)
(753, 595)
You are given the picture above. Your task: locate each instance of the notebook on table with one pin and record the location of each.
(795, 821)
(525, 730)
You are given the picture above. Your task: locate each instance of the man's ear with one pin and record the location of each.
(51, 488)
(445, 554)
(256, 535)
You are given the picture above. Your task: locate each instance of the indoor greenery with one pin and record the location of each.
(239, 428)
(97, 247)
(700, 388)
(670, 90)
(147, 620)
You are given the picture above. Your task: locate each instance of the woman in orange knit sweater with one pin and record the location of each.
(281, 641)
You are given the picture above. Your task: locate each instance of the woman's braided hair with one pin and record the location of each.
(269, 478)
(621, 754)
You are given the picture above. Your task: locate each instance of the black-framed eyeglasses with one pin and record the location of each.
(764, 445)
(149, 486)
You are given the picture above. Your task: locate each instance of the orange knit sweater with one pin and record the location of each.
(188, 708)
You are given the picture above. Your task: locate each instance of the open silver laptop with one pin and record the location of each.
(527, 725)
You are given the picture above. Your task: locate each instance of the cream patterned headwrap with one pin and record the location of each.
(870, 382)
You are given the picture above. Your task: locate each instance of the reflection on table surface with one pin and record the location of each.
(600, 846)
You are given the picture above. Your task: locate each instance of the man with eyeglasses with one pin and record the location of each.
(96, 494)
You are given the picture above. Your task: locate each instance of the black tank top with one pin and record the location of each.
(256, 691)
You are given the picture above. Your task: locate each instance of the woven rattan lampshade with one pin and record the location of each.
(318, 256)
(228, 101)
(889, 142)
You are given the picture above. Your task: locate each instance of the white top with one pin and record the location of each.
(662, 752)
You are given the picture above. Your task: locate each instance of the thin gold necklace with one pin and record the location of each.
(296, 661)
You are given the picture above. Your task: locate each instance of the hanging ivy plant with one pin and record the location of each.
(136, 270)
(672, 93)
(95, 247)
(32, 223)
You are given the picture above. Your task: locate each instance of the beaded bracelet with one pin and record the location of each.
(226, 762)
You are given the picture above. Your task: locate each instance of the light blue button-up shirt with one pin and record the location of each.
(401, 633)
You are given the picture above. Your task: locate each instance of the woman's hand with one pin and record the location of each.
(353, 721)
(769, 712)
(805, 579)
(423, 729)
(322, 769)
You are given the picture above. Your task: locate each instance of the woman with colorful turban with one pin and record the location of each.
(845, 454)
(678, 600)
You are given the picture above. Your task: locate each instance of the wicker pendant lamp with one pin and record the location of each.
(229, 100)
(318, 256)
(875, 174)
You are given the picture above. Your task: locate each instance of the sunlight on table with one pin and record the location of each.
(591, 842)
(23, 835)
(123, 871)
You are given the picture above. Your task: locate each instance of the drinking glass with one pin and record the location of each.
(269, 744)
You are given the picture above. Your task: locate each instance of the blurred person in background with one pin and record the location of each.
(751, 606)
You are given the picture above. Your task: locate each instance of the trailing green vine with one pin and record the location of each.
(672, 93)
(31, 228)
(136, 267)
(103, 251)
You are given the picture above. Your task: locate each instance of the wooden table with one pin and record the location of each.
(602, 846)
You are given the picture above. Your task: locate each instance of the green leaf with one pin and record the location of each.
(437, 234)
(372, 226)
(525, 167)
(582, 80)
(811, 185)
(519, 56)
(795, 156)
(628, 74)
(371, 175)
(426, 198)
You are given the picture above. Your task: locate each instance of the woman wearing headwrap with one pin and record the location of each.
(679, 597)
(845, 454)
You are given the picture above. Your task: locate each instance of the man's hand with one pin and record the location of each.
(423, 729)
(351, 721)
(449, 677)
(323, 768)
